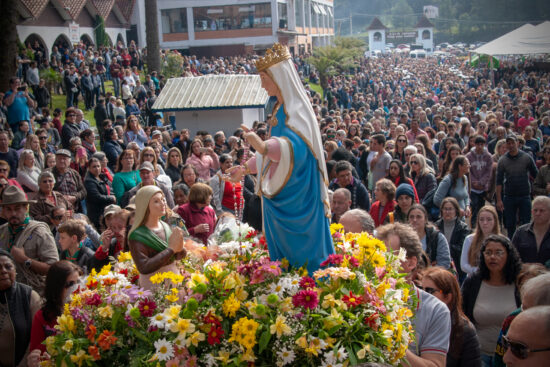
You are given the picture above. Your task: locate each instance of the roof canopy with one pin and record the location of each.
(376, 24)
(525, 40)
(212, 92)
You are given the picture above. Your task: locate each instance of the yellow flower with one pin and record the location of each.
(336, 227)
(172, 312)
(405, 294)
(328, 301)
(173, 297)
(79, 357)
(182, 326)
(105, 270)
(157, 278)
(174, 278)
(280, 327)
(244, 332)
(241, 294)
(381, 289)
(65, 323)
(67, 346)
(286, 305)
(105, 312)
(378, 260)
(231, 305)
(196, 278)
(302, 342)
(233, 280)
(195, 338)
(223, 356)
(50, 345)
(124, 256)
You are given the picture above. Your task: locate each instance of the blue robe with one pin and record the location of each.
(295, 224)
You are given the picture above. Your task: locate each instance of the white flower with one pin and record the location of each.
(287, 356)
(341, 355)
(330, 358)
(277, 288)
(331, 364)
(159, 321)
(210, 360)
(164, 350)
(290, 283)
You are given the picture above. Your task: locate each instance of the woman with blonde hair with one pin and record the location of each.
(422, 175)
(33, 143)
(174, 164)
(487, 224)
(154, 246)
(27, 172)
(148, 154)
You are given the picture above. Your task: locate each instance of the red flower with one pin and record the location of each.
(352, 260)
(92, 284)
(214, 335)
(106, 339)
(334, 259)
(211, 319)
(94, 300)
(305, 298)
(251, 234)
(307, 282)
(94, 352)
(146, 307)
(90, 333)
(370, 321)
(351, 300)
(123, 272)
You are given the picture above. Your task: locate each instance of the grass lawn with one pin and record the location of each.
(316, 87)
(59, 101)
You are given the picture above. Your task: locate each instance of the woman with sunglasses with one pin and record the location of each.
(43, 325)
(18, 305)
(399, 150)
(463, 343)
(490, 294)
(422, 175)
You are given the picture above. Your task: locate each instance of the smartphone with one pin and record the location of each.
(203, 150)
(22, 89)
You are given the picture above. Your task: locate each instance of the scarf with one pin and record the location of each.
(15, 231)
(107, 174)
(147, 237)
(89, 147)
(67, 256)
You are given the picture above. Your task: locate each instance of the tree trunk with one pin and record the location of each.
(152, 36)
(8, 42)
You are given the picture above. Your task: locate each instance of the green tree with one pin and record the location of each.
(152, 36)
(8, 42)
(52, 78)
(355, 46)
(173, 65)
(329, 60)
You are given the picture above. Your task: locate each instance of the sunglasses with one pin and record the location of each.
(401, 141)
(57, 217)
(519, 350)
(414, 162)
(148, 155)
(430, 290)
(43, 137)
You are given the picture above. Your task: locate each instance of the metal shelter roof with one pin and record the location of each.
(211, 92)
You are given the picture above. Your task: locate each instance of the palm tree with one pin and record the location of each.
(152, 36)
(328, 60)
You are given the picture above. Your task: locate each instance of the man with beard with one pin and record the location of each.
(30, 242)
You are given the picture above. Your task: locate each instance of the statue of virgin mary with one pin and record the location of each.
(291, 171)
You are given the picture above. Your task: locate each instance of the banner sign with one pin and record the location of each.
(431, 11)
(74, 32)
(411, 34)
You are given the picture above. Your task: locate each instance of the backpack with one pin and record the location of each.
(428, 203)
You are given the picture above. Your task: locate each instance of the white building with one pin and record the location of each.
(425, 34)
(67, 22)
(377, 35)
(239, 26)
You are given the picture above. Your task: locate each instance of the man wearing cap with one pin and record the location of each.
(481, 163)
(67, 180)
(30, 242)
(147, 175)
(70, 128)
(513, 182)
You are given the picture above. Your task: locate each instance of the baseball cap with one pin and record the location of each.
(147, 165)
(64, 152)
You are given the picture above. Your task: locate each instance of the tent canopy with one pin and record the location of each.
(525, 40)
(484, 59)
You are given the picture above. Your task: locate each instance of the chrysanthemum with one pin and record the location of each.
(306, 298)
(352, 300)
(286, 356)
(164, 349)
(307, 282)
(147, 307)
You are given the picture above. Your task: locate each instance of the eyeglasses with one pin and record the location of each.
(520, 350)
(431, 290)
(497, 253)
(70, 284)
(414, 162)
(71, 115)
(149, 155)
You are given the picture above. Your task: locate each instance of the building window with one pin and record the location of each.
(242, 16)
(377, 37)
(174, 20)
(299, 11)
(426, 35)
(283, 15)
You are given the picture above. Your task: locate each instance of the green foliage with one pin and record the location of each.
(329, 60)
(355, 46)
(173, 65)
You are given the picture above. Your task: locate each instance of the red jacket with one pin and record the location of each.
(375, 208)
(193, 216)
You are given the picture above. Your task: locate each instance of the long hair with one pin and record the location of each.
(447, 283)
(448, 160)
(477, 241)
(424, 168)
(142, 158)
(455, 170)
(395, 150)
(55, 285)
(425, 141)
(121, 157)
(28, 145)
(513, 261)
(401, 175)
(177, 151)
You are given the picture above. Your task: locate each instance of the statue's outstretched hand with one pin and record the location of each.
(253, 139)
(235, 174)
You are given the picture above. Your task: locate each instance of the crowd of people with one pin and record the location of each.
(449, 163)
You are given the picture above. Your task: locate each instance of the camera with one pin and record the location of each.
(22, 89)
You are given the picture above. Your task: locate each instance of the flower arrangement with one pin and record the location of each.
(242, 309)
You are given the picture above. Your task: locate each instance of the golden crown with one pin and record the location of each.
(273, 56)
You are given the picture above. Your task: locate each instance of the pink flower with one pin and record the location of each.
(94, 300)
(352, 260)
(333, 259)
(146, 307)
(306, 298)
(191, 362)
(307, 282)
(173, 363)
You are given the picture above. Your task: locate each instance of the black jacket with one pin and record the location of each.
(97, 198)
(525, 242)
(458, 236)
(470, 290)
(431, 242)
(465, 352)
(18, 298)
(69, 131)
(112, 150)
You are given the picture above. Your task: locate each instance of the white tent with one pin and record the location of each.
(525, 40)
